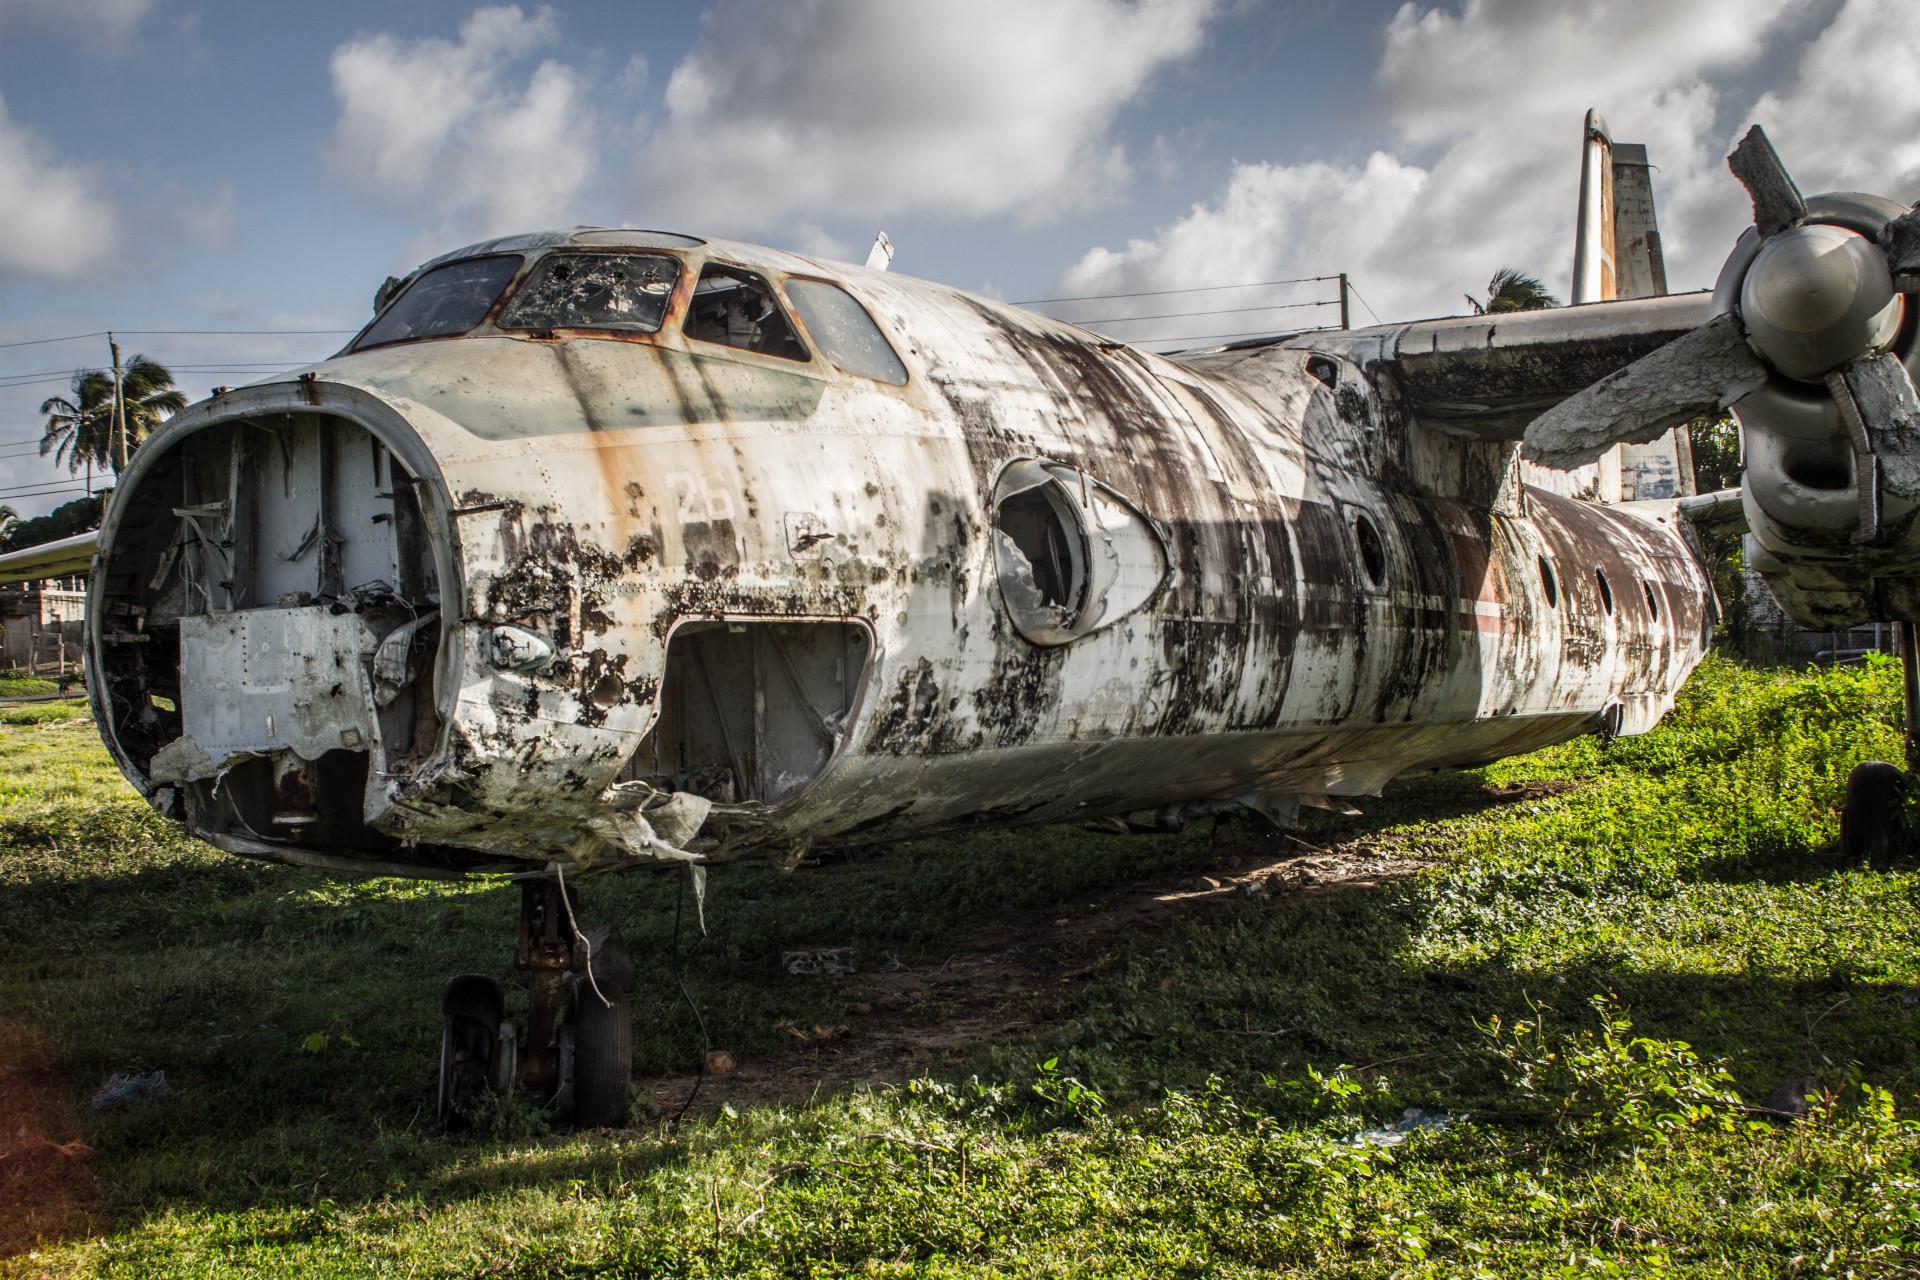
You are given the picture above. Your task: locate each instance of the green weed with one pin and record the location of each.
(1601, 975)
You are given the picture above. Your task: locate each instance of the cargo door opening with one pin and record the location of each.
(751, 712)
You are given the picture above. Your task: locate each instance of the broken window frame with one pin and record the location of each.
(825, 336)
(1100, 593)
(534, 275)
(361, 340)
(745, 275)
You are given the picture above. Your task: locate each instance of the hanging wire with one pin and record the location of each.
(679, 977)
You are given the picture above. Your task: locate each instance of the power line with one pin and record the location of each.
(1225, 311)
(263, 333)
(41, 342)
(46, 490)
(1157, 293)
(101, 333)
(237, 364)
(1222, 337)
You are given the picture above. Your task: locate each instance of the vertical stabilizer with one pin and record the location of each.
(1616, 254)
(1639, 270)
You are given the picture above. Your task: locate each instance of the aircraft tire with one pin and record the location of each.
(602, 1018)
(470, 1024)
(1873, 825)
(602, 1059)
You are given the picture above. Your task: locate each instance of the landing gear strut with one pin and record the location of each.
(578, 1056)
(1873, 817)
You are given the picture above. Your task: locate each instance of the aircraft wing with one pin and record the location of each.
(1487, 377)
(50, 559)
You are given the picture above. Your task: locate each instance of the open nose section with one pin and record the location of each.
(267, 632)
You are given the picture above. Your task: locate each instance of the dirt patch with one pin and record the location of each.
(47, 1192)
(903, 1022)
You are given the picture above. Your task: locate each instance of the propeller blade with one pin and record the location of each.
(1696, 374)
(1881, 409)
(1777, 203)
(1901, 240)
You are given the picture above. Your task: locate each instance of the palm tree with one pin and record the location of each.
(82, 429)
(1512, 290)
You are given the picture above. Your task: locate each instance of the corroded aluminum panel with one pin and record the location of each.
(278, 679)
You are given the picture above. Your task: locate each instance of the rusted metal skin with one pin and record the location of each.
(1348, 596)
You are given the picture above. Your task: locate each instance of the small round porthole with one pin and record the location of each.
(1606, 590)
(1548, 583)
(1373, 553)
(1653, 605)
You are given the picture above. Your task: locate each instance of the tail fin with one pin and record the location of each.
(1616, 254)
(1616, 243)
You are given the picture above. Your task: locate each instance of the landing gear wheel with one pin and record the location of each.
(470, 1038)
(603, 1034)
(1873, 826)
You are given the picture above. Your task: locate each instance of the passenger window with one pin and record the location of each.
(846, 333)
(624, 291)
(447, 300)
(735, 308)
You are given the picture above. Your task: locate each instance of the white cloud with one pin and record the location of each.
(834, 107)
(106, 25)
(1850, 121)
(1486, 103)
(451, 129)
(54, 220)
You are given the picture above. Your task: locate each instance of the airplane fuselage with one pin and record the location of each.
(537, 593)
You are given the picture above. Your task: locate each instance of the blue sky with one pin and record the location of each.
(201, 165)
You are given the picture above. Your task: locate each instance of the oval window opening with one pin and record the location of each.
(1373, 554)
(1606, 591)
(1547, 582)
(1653, 605)
(1072, 554)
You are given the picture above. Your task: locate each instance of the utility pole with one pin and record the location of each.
(1343, 302)
(117, 441)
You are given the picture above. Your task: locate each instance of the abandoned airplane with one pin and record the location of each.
(607, 549)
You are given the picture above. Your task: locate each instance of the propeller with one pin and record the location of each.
(1811, 300)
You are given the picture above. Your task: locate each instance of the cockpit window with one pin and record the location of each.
(735, 308)
(624, 291)
(846, 333)
(446, 300)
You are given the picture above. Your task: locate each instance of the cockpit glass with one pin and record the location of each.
(844, 330)
(446, 300)
(624, 291)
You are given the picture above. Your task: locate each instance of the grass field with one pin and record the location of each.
(1065, 1054)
